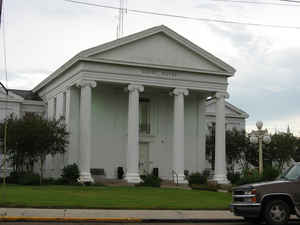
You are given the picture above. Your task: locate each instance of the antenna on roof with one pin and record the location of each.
(122, 11)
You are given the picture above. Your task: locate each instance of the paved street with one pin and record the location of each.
(92, 223)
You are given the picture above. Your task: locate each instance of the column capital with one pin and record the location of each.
(180, 91)
(222, 95)
(85, 83)
(134, 87)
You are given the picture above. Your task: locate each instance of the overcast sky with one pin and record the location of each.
(42, 34)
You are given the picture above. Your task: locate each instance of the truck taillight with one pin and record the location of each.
(253, 199)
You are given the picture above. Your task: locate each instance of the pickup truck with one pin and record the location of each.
(272, 201)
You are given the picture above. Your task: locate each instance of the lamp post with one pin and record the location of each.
(259, 136)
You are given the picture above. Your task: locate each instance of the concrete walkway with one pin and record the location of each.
(108, 215)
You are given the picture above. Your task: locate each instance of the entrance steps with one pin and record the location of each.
(171, 184)
(113, 182)
(123, 183)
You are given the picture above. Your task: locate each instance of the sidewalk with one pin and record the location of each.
(32, 214)
(110, 215)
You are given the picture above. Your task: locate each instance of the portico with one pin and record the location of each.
(101, 90)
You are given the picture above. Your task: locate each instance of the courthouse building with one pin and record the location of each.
(139, 102)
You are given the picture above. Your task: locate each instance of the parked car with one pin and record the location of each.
(272, 202)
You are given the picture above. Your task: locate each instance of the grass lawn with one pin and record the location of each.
(111, 197)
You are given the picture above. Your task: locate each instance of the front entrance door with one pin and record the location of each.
(144, 163)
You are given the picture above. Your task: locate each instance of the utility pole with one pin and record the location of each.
(4, 138)
(2, 22)
(122, 11)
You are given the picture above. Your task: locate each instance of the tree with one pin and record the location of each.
(236, 145)
(31, 138)
(296, 156)
(282, 148)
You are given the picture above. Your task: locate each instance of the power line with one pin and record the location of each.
(260, 2)
(186, 17)
(291, 1)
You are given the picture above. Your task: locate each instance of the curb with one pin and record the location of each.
(66, 219)
(112, 220)
(119, 220)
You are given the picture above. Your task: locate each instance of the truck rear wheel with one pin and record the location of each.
(277, 212)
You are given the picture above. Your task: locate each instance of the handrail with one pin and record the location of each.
(174, 172)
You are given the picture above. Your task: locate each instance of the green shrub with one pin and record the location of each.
(13, 177)
(233, 177)
(29, 179)
(250, 176)
(270, 173)
(150, 181)
(198, 178)
(24, 178)
(70, 174)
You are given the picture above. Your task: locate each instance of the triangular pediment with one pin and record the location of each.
(159, 46)
(230, 110)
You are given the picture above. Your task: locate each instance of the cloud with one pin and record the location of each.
(42, 35)
(23, 79)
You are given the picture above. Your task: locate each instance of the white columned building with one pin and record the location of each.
(132, 175)
(85, 129)
(143, 129)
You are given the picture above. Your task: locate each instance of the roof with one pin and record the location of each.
(86, 54)
(26, 94)
(236, 112)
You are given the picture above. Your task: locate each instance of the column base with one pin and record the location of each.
(85, 178)
(221, 179)
(180, 179)
(133, 178)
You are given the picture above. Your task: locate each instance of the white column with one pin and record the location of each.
(85, 129)
(59, 105)
(201, 134)
(51, 108)
(220, 150)
(68, 108)
(73, 124)
(132, 174)
(178, 135)
(67, 121)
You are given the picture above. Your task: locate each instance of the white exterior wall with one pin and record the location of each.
(109, 131)
(11, 108)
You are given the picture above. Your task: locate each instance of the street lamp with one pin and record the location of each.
(259, 136)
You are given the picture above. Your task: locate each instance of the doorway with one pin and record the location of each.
(144, 163)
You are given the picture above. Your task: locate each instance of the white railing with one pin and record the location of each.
(173, 176)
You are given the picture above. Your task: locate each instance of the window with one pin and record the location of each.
(144, 112)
